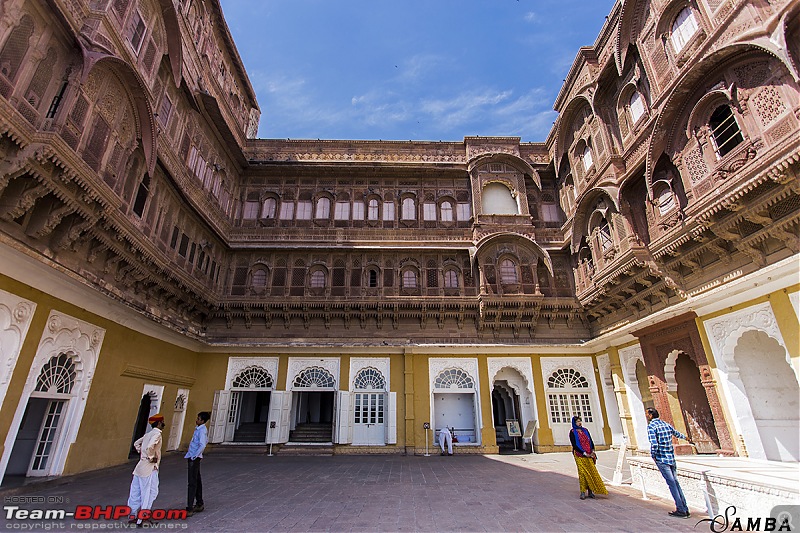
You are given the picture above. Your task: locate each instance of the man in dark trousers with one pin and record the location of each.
(194, 455)
(663, 453)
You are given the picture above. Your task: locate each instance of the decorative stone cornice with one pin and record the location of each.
(148, 374)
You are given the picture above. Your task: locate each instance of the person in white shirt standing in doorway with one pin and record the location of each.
(194, 455)
(144, 487)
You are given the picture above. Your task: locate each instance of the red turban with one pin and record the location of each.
(158, 417)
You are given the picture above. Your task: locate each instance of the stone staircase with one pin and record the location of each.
(251, 432)
(312, 434)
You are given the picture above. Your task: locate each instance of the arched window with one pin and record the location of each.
(372, 210)
(585, 256)
(57, 375)
(666, 201)
(409, 279)
(250, 210)
(499, 200)
(508, 272)
(725, 130)
(270, 207)
(637, 106)
(141, 195)
(323, 208)
(566, 397)
(409, 209)
(586, 157)
(314, 377)
(369, 378)
(604, 235)
(454, 378)
(252, 377)
(259, 280)
(446, 211)
(683, 28)
(373, 278)
(317, 279)
(450, 279)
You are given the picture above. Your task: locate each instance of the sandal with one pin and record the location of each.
(591, 495)
(583, 496)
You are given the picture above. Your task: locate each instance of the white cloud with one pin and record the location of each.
(531, 17)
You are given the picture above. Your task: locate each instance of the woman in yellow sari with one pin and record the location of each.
(585, 458)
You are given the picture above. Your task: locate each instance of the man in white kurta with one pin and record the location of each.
(446, 438)
(144, 487)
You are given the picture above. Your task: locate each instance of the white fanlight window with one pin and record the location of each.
(55, 381)
(666, 201)
(587, 158)
(637, 106)
(684, 27)
(409, 279)
(569, 396)
(252, 377)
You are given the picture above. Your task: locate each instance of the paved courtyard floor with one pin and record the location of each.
(253, 493)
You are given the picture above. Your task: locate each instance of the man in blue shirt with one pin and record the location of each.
(661, 450)
(194, 455)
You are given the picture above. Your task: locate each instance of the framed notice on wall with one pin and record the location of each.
(513, 428)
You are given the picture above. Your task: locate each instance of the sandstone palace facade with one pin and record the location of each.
(156, 256)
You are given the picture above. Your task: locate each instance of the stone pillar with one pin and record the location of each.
(408, 391)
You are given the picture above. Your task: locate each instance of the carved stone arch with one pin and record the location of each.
(486, 243)
(669, 369)
(512, 160)
(633, 15)
(586, 202)
(146, 130)
(564, 124)
(668, 124)
(667, 14)
(705, 106)
(787, 37)
(174, 44)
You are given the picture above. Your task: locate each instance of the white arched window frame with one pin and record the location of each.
(508, 272)
(259, 279)
(270, 208)
(586, 157)
(373, 210)
(409, 279)
(636, 104)
(317, 280)
(450, 279)
(725, 131)
(446, 211)
(665, 200)
(683, 29)
(409, 209)
(323, 208)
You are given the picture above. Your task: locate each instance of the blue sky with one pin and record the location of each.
(425, 70)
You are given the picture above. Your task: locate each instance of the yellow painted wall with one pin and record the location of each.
(113, 401)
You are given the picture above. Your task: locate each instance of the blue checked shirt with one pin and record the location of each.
(198, 443)
(660, 434)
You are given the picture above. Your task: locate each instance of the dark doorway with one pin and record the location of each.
(140, 427)
(694, 404)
